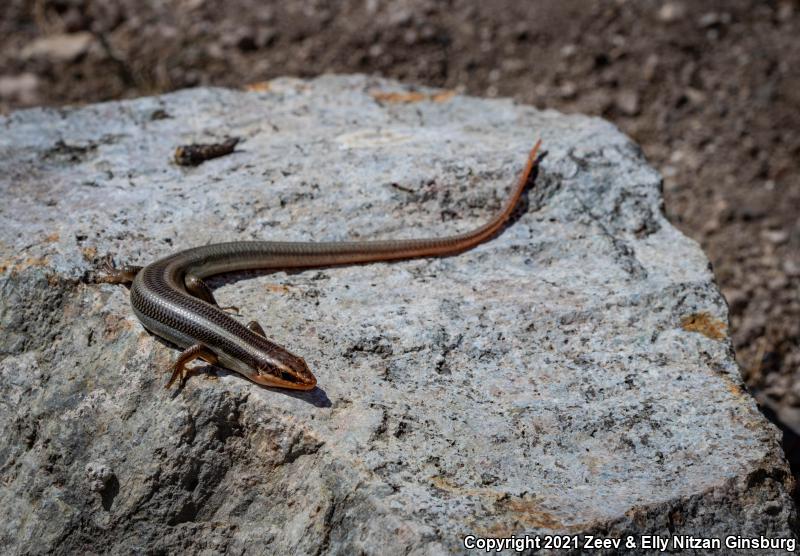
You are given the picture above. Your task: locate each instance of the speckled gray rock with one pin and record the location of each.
(573, 375)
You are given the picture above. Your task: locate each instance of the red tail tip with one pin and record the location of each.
(535, 151)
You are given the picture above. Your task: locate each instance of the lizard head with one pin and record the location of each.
(266, 363)
(283, 369)
(269, 364)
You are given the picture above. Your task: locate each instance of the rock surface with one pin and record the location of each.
(573, 375)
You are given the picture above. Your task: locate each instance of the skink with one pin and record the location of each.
(171, 300)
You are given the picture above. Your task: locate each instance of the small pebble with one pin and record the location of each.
(671, 12)
(99, 474)
(627, 102)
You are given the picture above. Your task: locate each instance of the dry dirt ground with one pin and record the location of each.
(711, 90)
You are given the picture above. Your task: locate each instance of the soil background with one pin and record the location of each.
(710, 90)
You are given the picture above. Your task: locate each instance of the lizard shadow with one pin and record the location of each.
(316, 396)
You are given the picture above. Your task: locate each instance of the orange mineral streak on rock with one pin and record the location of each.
(115, 325)
(512, 514)
(734, 388)
(404, 97)
(527, 511)
(89, 253)
(443, 96)
(408, 97)
(706, 325)
(259, 87)
(16, 266)
(277, 288)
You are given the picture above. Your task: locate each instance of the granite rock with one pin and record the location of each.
(573, 375)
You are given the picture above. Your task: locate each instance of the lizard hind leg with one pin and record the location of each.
(199, 289)
(109, 273)
(196, 287)
(255, 327)
(179, 370)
